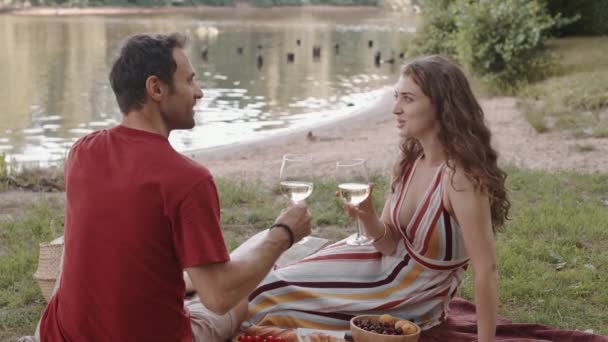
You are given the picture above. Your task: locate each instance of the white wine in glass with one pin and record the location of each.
(296, 191)
(295, 177)
(353, 187)
(353, 193)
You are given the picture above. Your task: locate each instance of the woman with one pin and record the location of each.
(447, 201)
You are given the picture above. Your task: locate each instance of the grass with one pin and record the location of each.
(252, 206)
(21, 302)
(575, 99)
(552, 257)
(557, 218)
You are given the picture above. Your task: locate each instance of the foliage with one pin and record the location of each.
(502, 42)
(576, 99)
(593, 16)
(3, 172)
(438, 33)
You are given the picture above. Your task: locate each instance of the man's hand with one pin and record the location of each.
(298, 218)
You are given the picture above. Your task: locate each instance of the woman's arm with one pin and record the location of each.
(472, 210)
(385, 237)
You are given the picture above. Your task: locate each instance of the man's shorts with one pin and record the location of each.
(208, 326)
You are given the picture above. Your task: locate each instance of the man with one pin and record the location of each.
(138, 213)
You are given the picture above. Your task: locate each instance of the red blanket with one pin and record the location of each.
(462, 326)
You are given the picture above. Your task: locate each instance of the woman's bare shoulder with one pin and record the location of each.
(456, 179)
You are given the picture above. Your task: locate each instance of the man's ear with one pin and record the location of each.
(155, 88)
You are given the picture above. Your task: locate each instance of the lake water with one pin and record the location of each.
(55, 87)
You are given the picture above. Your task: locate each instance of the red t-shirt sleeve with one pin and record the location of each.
(197, 233)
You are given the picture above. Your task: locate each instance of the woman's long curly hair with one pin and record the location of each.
(463, 132)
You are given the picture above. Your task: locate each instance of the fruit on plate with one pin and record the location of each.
(377, 327)
(268, 332)
(386, 318)
(406, 327)
(249, 338)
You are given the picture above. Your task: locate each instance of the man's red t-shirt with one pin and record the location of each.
(137, 214)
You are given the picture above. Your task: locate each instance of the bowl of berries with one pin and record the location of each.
(383, 328)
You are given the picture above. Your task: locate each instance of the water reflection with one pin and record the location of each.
(55, 70)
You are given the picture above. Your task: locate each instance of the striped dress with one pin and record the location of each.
(417, 282)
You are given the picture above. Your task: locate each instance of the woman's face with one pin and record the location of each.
(416, 115)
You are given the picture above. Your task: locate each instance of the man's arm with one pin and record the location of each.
(221, 286)
(189, 287)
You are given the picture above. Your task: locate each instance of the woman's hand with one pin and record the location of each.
(365, 210)
(377, 229)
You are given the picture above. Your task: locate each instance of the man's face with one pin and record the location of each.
(177, 108)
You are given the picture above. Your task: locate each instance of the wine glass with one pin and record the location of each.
(295, 177)
(353, 187)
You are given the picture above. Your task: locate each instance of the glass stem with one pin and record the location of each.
(360, 232)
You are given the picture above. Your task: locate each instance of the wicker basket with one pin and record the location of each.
(49, 261)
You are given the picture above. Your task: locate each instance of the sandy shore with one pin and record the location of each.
(371, 133)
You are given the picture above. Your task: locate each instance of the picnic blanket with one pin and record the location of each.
(461, 326)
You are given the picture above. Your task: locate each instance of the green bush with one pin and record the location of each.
(437, 35)
(502, 41)
(212, 2)
(262, 3)
(593, 16)
(3, 166)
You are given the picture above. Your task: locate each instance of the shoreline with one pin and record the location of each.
(326, 142)
(381, 103)
(370, 132)
(42, 11)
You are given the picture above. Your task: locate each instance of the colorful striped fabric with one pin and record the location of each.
(338, 282)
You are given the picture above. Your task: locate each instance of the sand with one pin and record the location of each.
(370, 132)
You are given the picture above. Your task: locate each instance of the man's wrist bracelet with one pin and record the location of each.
(287, 229)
